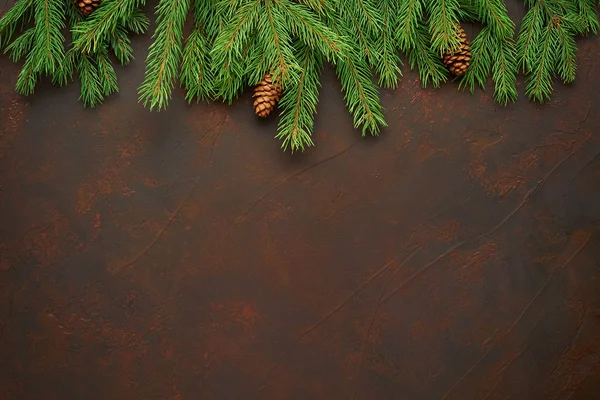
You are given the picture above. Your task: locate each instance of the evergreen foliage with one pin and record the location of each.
(234, 43)
(546, 43)
(46, 51)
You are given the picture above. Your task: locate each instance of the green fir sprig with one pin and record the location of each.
(46, 51)
(546, 46)
(493, 50)
(162, 63)
(234, 43)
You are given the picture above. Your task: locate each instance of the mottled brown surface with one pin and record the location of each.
(181, 255)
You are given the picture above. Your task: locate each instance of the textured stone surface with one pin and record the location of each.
(181, 255)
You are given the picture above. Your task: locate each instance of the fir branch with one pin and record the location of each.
(529, 36)
(9, 21)
(586, 10)
(65, 73)
(504, 70)
(196, 75)
(357, 19)
(354, 72)
(101, 25)
(299, 102)
(388, 62)
(320, 6)
(28, 76)
(565, 57)
(21, 45)
(546, 43)
(360, 93)
(73, 18)
(468, 11)
(494, 14)
(571, 17)
(276, 42)
(232, 44)
(312, 31)
(165, 54)
(421, 56)
(106, 73)
(91, 89)
(493, 52)
(443, 25)
(120, 45)
(137, 22)
(411, 15)
(48, 50)
(481, 61)
(539, 81)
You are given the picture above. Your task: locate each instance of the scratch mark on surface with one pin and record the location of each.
(242, 217)
(529, 194)
(375, 314)
(56, 220)
(501, 370)
(218, 126)
(519, 318)
(348, 298)
(346, 301)
(173, 217)
(572, 344)
(423, 269)
(8, 318)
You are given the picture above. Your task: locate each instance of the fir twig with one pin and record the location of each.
(539, 81)
(18, 13)
(101, 25)
(421, 56)
(546, 43)
(21, 45)
(106, 73)
(162, 63)
(48, 50)
(120, 45)
(443, 25)
(197, 77)
(231, 45)
(361, 94)
(299, 102)
(91, 88)
(388, 61)
(493, 52)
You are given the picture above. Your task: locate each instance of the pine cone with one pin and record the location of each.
(267, 95)
(458, 62)
(86, 6)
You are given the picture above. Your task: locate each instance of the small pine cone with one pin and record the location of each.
(86, 6)
(266, 95)
(458, 62)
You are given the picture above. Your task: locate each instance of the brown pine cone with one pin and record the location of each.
(266, 95)
(86, 6)
(458, 62)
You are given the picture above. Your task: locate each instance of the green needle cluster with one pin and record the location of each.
(232, 44)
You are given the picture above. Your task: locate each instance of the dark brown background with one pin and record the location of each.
(182, 255)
